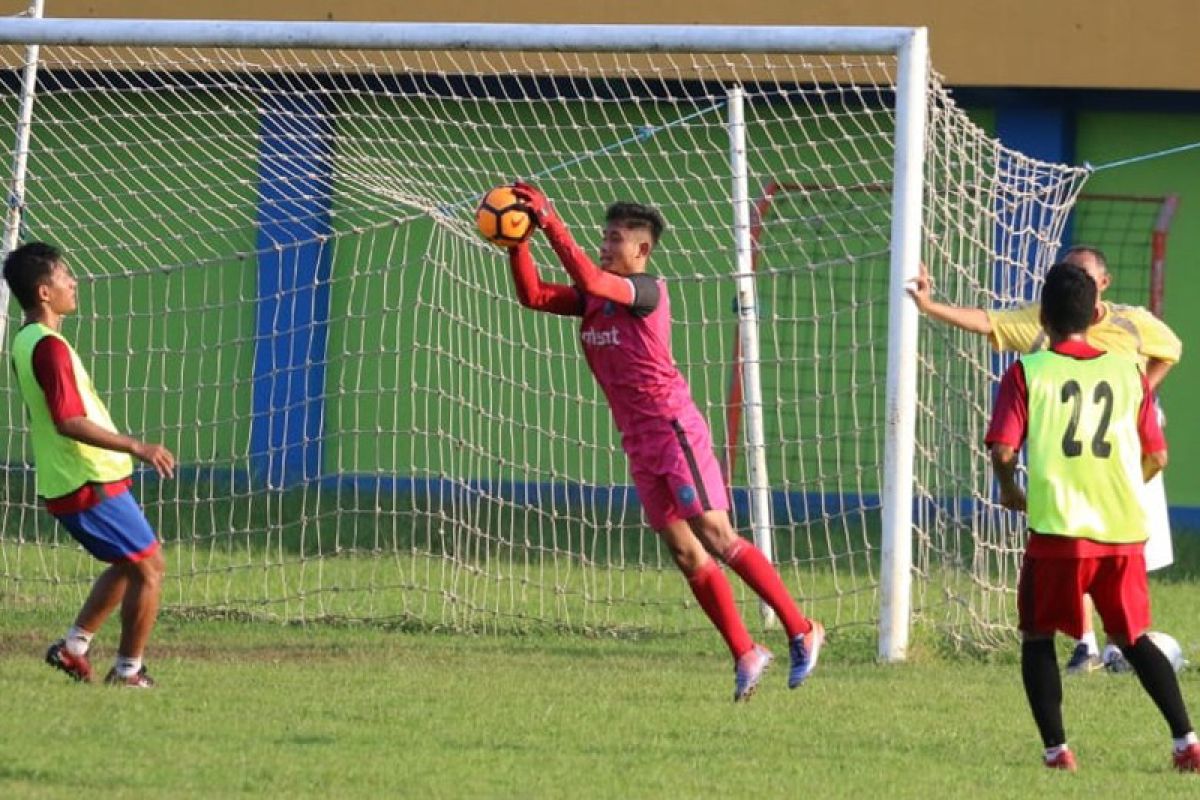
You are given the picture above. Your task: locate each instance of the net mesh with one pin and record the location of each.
(1132, 232)
(280, 280)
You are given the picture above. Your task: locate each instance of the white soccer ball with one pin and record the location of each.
(1170, 648)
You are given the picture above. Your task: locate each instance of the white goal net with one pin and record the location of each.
(280, 280)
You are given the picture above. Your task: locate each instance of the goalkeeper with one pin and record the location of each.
(1129, 330)
(84, 470)
(626, 338)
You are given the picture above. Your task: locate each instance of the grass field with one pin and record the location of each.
(259, 710)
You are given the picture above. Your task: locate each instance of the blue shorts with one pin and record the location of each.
(115, 530)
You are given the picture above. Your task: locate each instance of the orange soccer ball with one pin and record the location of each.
(502, 218)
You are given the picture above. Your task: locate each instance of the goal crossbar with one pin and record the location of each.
(455, 36)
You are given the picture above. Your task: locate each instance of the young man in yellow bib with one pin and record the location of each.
(1130, 330)
(1091, 435)
(84, 468)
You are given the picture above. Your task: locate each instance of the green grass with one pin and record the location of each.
(253, 709)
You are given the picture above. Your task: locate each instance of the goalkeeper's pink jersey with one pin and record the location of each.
(626, 339)
(630, 355)
(625, 336)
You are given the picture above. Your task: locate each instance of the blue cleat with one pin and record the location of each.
(1083, 661)
(749, 671)
(805, 649)
(1115, 662)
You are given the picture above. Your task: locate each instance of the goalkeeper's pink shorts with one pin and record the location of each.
(676, 474)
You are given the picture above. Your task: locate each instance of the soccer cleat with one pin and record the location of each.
(1063, 759)
(1116, 663)
(138, 680)
(805, 649)
(1187, 759)
(1082, 661)
(749, 671)
(77, 667)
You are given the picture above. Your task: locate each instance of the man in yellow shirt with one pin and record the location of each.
(1130, 330)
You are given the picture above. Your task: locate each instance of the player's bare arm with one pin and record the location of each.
(82, 429)
(1004, 464)
(973, 320)
(1156, 370)
(1153, 463)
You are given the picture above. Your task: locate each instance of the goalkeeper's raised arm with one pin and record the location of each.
(587, 278)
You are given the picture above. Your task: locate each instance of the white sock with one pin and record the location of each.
(1089, 639)
(77, 641)
(1051, 753)
(128, 666)
(1190, 739)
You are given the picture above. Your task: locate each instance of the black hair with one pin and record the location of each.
(636, 215)
(1068, 299)
(1086, 249)
(27, 268)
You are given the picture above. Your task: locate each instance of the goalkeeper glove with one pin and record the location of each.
(535, 200)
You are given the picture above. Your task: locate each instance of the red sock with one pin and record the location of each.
(748, 562)
(715, 596)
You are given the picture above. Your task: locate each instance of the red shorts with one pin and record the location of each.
(678, 477)
(1050, 595)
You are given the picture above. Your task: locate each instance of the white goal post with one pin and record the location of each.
(280, 280)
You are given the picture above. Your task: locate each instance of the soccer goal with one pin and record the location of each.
(281, 280)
